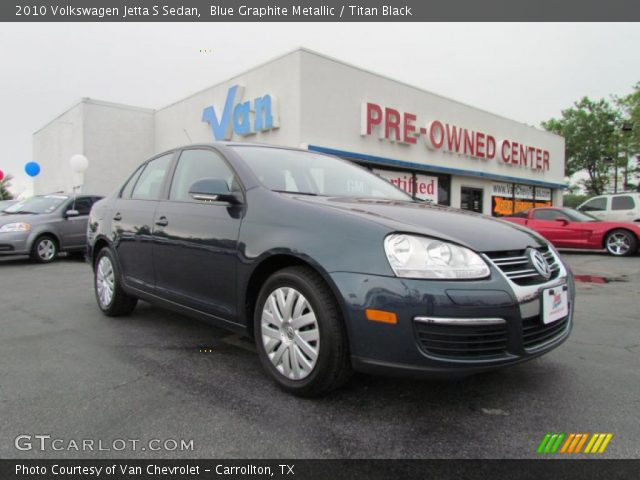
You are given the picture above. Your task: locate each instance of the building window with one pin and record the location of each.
(421, 186)
(512, 198)
(471, 199)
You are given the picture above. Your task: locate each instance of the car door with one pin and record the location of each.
(554, 225)
(73, 229)
(132, 220)
(623, 208)
(196, 242)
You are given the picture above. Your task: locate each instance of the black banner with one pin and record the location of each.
(319, 469)
(316, 11)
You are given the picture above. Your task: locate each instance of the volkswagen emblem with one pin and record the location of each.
(539, 263)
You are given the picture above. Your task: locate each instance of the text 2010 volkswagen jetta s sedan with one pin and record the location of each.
(328, 266)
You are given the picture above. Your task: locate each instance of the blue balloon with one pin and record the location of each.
(32, 169)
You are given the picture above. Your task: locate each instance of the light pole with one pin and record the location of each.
(626, 128)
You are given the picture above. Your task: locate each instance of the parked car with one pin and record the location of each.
(6, 203)
(620, 207)
(329, 267)
(568, 228)
(44, 225)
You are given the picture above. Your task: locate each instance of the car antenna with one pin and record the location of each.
(187, 134)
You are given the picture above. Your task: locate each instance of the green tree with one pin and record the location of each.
(630, 106)
(5, 183)
(591, 133)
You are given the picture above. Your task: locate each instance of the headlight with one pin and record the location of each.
(420, 257)
(15, 227)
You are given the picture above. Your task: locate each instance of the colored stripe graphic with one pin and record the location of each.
(598, 443)
(550, 443)
(573, 443)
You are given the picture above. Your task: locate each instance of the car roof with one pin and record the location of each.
(234, 144)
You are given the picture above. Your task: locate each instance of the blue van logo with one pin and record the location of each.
(242, 118)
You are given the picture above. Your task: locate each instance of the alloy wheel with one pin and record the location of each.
(105, 281)
(618, 243)
(290, 333)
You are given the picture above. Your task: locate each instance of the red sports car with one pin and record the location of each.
(568, 228)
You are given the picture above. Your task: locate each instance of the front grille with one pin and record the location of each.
(464, 341)
(517, 266)
(535, 333)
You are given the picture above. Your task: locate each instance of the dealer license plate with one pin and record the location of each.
(555, 304)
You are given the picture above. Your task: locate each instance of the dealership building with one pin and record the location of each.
(435, 148)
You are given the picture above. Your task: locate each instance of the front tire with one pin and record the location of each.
(111, 298)
(44, 249)
(300, 334)
(621, 243)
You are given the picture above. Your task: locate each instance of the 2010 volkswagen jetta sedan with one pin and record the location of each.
(329, 267)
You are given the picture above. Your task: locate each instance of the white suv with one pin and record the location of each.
(622, 207)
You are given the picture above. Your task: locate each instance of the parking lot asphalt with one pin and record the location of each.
(69, 372)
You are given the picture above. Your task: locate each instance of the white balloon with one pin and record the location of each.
(79, 163)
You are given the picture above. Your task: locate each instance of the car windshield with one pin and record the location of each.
(577, 216)
(293, 171)
(40, 204)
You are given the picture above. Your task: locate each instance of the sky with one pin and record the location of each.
(528, 72)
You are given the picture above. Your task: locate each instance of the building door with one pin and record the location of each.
(471, 199)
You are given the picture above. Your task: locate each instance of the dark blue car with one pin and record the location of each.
(329, 267)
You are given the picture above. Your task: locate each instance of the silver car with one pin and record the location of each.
(45, 225)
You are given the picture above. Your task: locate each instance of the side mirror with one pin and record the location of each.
(562, 221)
(71, 213)
(212, 190)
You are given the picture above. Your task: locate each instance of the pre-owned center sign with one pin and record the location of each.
(402, 127)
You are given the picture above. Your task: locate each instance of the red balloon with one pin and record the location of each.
(1, 175)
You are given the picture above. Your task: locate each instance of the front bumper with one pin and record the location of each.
(415, 347)
(14, 243)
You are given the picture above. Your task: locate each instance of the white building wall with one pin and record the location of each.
(118, 138)
(318, 102)
(53, 146)
(115, 139)
(181, 123)
(332, 98)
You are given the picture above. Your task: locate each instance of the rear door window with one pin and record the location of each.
(624, 202)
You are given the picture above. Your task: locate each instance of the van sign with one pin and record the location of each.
(242, 118)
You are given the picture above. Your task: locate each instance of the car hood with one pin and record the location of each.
(478, 232)
(17, 218)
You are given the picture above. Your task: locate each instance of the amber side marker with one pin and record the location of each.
(381, 316)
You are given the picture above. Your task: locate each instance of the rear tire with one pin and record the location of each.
(621, 243)
(44, 249)
(111, 298)
(300, 334)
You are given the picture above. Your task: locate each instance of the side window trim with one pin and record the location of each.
(135, 176)
(162, 194)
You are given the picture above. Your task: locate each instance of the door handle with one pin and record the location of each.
(117, 217)
(162, 222)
